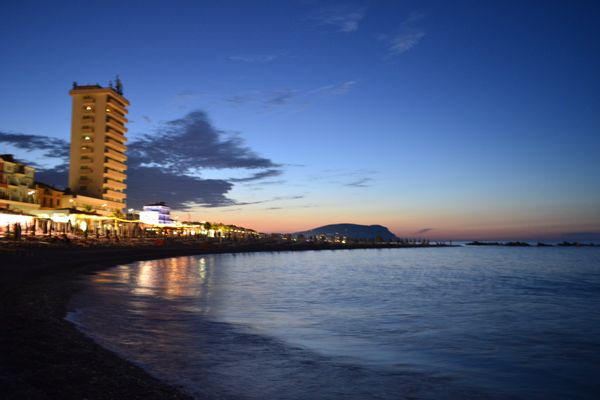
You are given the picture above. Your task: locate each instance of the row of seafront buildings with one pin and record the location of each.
(95, 199)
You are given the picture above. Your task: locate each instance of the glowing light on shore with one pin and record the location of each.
(9, 219)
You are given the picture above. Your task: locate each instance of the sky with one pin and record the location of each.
(445, 120)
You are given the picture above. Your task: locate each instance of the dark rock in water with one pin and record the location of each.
(509, 244)
(540, 244)
(575, 244)
(478, 243)
(352, 231)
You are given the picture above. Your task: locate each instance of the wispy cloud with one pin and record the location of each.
(280, 97)
(287, 198)
(359, 183)
(188, 93)
(286, 96)
(343, 18)
(258, 176)
(255, 58)
(238, 100)
(422, 231)
(407, 36)
(335, 89)
(360, 177)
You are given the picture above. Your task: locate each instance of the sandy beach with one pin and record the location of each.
(46, 357)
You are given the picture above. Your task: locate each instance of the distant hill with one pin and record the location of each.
(352, 231)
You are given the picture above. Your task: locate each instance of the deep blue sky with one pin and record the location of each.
(447, 119)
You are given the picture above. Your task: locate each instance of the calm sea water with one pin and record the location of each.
(452, 323)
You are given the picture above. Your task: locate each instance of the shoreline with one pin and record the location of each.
(44, 356)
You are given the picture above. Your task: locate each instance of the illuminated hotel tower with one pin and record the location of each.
(97, 167)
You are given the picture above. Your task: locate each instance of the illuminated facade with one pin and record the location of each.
(17, 189)
(97, 164)
(156, 214)
(48, 196)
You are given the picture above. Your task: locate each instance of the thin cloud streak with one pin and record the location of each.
(360, 183)
(258, 176)
(422, 231)
(407, 37)
(286, 96)
(280, 98)
(345, 18)
(254, 58)
(335, 89)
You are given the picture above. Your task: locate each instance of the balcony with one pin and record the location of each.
(88, 100)
(87, 129)
(86, 160)
(117, 166)
(116, 104)
(114, 123)
(115, 155)
(116, 145)
(16, 196)
(86, 150)
(110, 132)
(87, 139)
(114, 113)
(112, 174)
(114, 195)
(109, 183)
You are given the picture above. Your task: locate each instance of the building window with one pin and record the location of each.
(88, 108)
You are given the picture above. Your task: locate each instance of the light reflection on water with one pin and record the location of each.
(388, 324)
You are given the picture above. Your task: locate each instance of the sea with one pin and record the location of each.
(423, 323)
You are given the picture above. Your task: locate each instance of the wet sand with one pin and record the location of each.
(43, 356)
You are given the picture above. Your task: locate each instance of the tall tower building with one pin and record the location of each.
(97, 166)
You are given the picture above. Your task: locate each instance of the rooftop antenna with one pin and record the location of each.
(119, 85)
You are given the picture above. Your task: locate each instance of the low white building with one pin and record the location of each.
(156, 214)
